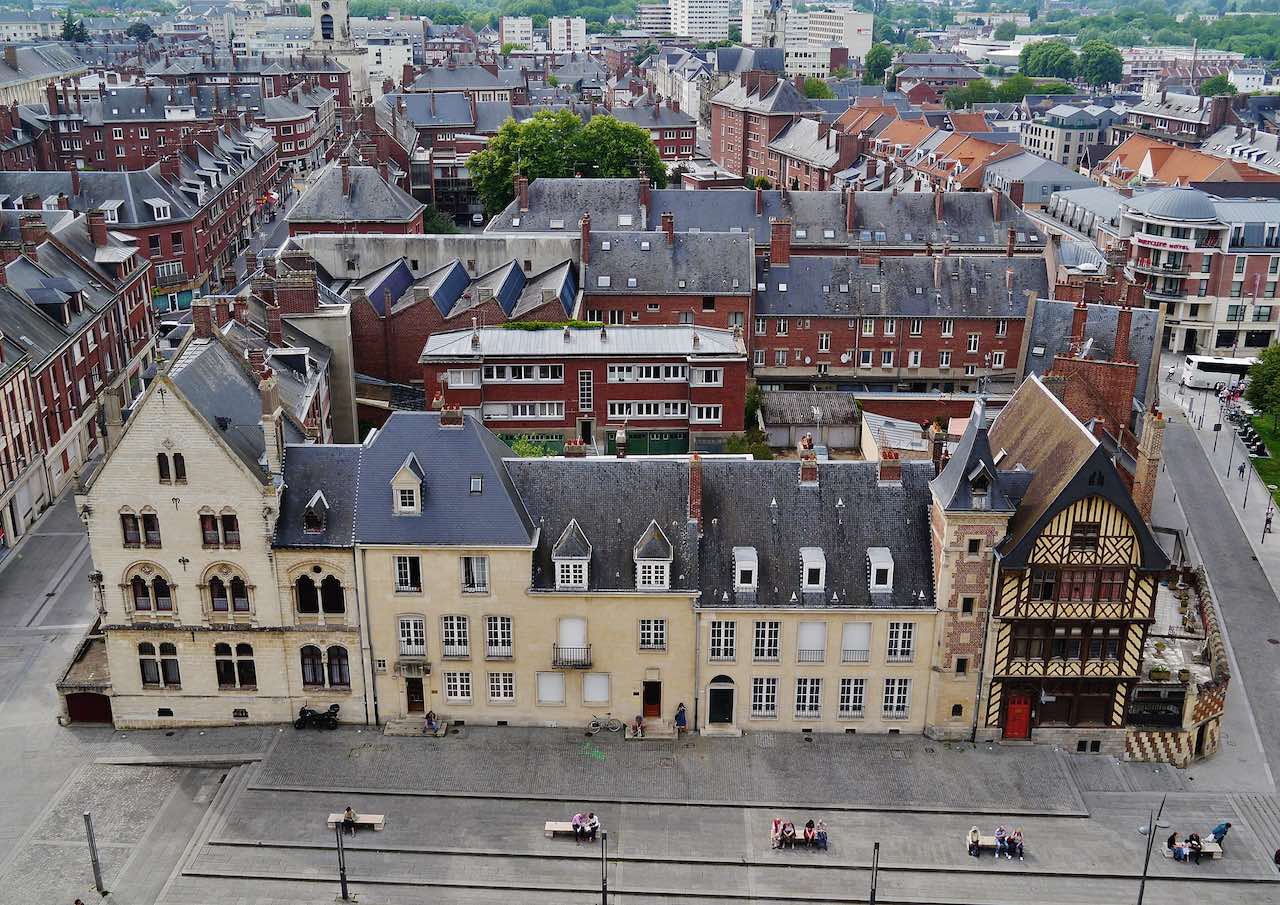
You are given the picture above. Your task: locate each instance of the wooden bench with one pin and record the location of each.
(1211, 849)
(554, 828)
(377, 821)
(987, 843)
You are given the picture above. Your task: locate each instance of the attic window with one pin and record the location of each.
(865, 235)
(844, 287)
(802, 233)
(111, 210)
(406, 500)
(813, 569)
(644, 244)
(782, 287)
(875, 287)
(606, 245)
(680, 283)
(735, 229)
(477, 483)
(695, 229)
(631, 282)
(880, 235)
(624, 219)
(515, 221)
(603, 281)
(880, 568)
(556, 224)
(746, 569)
(760, 287)
(828, 234)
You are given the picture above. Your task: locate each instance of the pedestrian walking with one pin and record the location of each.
(1240, 471)
(1219, 832)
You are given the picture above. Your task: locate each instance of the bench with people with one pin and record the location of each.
(583, 827)
(1003, 842)
(1193, 848)
(350, 821)
(783, 834)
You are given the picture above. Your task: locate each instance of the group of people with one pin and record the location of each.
(585, 826)
(782, 834)
(1007, 843)
(681, 723)
(1191, 848)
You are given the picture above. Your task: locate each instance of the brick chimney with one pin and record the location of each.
(346, 178)
(759, 201)
(75, 179)
(406, 76)
(850, 209)
(695, 488)
(669, 227)
(170, 168)
(645, 195)
(575, 449)
(808, 469)
(32, 229)
(1124, 321)
(250, 263)
(257, 360)
(451, 416)
(1150, 449)
(1011, 237)
(937, 272)
(890, 466)
(937, 205)
(97, 226)
(275, 326)
(872, 167)
(620, 443)
(31, 201)
(1017, 190)
(272, 436)
(64, 203)
(585, 225)
(202, 318)
(1079, 316)
(522, 191)
(780, 241)
(995, 205)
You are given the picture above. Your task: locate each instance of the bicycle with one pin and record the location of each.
(612, 723)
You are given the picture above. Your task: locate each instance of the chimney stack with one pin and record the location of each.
(890, 466)
(808, 469)
(1017, 191)
(346, 178)
(995, 205)
(522, 191)
(250, 263)
(1010, 238)
(695, 489)
(850, 209)
(759, 201)
(451, 416)
(585, 224)
(1124, 321)
(669, 227)
(98, 226)
(937, 272)
(202, 318)
(779, 241)
(272, 436)
(75, 180)
(1079, 316)
(275, 326)
(645, 195)
(32, 229)
(937, 205)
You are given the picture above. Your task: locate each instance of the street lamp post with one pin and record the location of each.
(1271, 510)
(604, 867)
(875, 869)
(342, 861)
(1151, 839)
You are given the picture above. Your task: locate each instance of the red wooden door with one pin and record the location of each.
(1017, 717)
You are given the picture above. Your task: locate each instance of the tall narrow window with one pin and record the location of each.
(209, 530)
(239, 595)
(339, 669)
(455, 636)
(230, 531)
(224, 665)
(151, 530)
(246, 672)
(179, 468)
(312, 666)
(169, 664)
(218, 600)
(723, 640)
(305, 590)
(332, 599)
(129, 527)
(160, 591)
(475, 574)
(162, 466)
(148, 665)
(141, 593)
(498, 637)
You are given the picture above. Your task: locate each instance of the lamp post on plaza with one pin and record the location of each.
(342, 861)
(604, 867)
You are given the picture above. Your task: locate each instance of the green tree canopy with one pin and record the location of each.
(140, 31)
(979, 91)
(1005, 31)
(1048, 59)
(1100, 63)
(1015, 88)
(877, 61)
(557, 144)
(1263, 391)
(508, 48)
(1219, 84)
(817, 88)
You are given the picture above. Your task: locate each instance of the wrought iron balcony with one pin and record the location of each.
(563, 657)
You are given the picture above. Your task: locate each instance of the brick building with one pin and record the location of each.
(344, 198)
(750, 113)
(25, 144)
(274, 76)
(808, 154)
(674, 132)
(191, 213)
(672, 388)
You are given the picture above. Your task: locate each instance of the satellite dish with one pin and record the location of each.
(808, 360)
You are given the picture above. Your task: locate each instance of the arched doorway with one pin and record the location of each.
(720, 701)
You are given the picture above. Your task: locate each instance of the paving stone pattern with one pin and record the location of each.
(857, 771)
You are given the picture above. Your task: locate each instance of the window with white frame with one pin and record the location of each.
(653, 634)
(475, 574)
(973, 342)
(595, 688)
(457, 687)
(746, 568)
(764, 697)
(917, 326)
(886, 358)
(571, 573)
(868, 326)
(498, 639)
(948, 326)
(652, 575)
(502, 687)
(723, 644)
(913, 358)
(707, 377)
(767, 636)
(762, 326)
(853, 693)
(413, 636)
(811, 642)
(780, 358)
(897, 699)
(808, 698)
(1002, 327)
(550, 688)
(408, 573)
(813, 569)
(890, 326)
(782, 326)
(455, 636)
(706, 414)
(406, 500)
(463, 377)
(997, 359)
(864, 357)
(901, 643)
(944, 359)
(824, 342)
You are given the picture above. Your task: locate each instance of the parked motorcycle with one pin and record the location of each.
(317, 719)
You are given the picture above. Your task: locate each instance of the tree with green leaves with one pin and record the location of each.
(1263, 391)
(553, 81)
(528, 448)
(878, 59)
(1015, 88)
(1005, 31)
(1033, 13)
(74, 30)
(1048, 59)
(509, 48)
(140, 31)
(1219, 84)
(436, 222)
(979, 91)
(817, 89)
(735, 33)
(840, 72)
(557, 145)
(1100, 63)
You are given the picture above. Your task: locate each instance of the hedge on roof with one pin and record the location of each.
(550, 325)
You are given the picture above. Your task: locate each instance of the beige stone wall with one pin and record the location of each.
(612, 623)
(743, 668)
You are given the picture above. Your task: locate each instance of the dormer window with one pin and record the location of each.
(572, 557)
(316, 515)
(813, 569)
(880, 569)
(653, 555)
(746, 569)
(406, 487)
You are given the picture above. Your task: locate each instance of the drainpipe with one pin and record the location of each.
(366, 639)
(697, 663)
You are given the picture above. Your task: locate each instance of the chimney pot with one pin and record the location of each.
(669, 227)
(780, 241)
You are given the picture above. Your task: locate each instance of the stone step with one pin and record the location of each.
(1262, 813)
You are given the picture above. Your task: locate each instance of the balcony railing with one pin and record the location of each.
(456, 651)
(903, 657)
(1157, 292)
(1145, 265)
(764, 713)
(850, 713)
(499, 652)
(564, 657)
(855, 656)
(895, 714)
(808, 714)
(810, 656)
(172, 279)
(412, 650)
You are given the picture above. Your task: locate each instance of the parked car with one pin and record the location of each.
(477, 219)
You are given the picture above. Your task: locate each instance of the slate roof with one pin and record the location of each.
(371, 199)
(802, 140)
(782, 97)
(567, 200)
(42, 63)
(848, 511)
(1028, 167)
(440, 108)
(473, 76)
(1049, 335)
(330, 469)
(572, 544)
(796, 407)
(451, 514)
(900, 286)
(706, 263)
(972, 461)
(895, 433)
(654, 116)
(218, 386)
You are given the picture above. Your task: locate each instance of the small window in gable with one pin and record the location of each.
(746, 569)
(572, 557)
(813, 569)
(406, 487)
(653, 555)
(880, 569)
(315, 516)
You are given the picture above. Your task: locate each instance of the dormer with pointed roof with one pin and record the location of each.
(572, 558)
(407, 487)
(653, 554)
(971, 480)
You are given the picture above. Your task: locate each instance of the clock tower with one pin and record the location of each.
(331, 35)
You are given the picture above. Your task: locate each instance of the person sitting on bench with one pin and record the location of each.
(974, 839)
(1002, 833)
(822, 835)
(349, 821)
(810, 833)
(431, 726)
(1014, 844)
(592, 826)
(788, 834)
(775, 833)
(579, 827)
(1194, 847)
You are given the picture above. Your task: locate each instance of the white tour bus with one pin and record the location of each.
(1207, 372)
